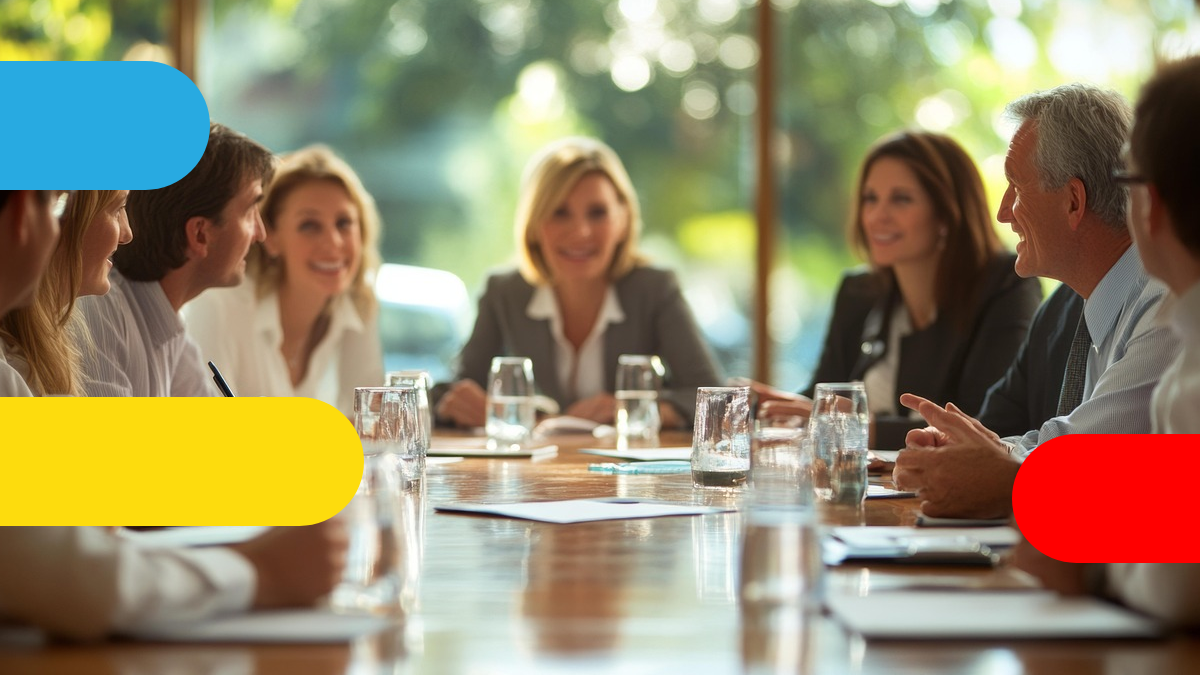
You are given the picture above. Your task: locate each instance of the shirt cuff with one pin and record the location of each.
(231, 574)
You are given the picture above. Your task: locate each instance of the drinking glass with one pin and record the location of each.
(391, 415)
(721, 440)
(638, 381)
(423, 383)
(510, 406)
(373, 581)
(839, 427)
(780, 465)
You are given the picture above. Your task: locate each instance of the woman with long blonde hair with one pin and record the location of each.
(43, 341)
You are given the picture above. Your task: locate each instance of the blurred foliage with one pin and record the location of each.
(438, 104)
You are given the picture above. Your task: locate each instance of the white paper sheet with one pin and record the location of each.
(643, 454)
(931, 521)
(935, 615)
(565, 424)
(882, 492)
(890, 536)
(469, 450)
(289, 626)
(886, 455)
(583, 510)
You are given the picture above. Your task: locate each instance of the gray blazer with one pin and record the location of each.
(657, 321)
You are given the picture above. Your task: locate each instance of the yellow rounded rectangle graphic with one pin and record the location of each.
(175, 461)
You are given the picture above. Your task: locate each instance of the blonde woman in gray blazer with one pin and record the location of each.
(582, 297)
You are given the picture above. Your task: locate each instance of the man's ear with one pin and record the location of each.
(1077, 204)
(1158, 220)
(199, 236)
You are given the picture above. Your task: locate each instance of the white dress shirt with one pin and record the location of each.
(1130, 351)
(84, 582)
(580, 374)
(139, 344)
(243, 335)
(1170, 592)
(1176, 403)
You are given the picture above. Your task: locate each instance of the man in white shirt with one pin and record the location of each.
(188, 237)
(1070, 214)
(1164, 170)
(83, 582)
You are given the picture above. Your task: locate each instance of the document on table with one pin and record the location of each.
(472, 450)
(583, 510)
(883, 492)
(937, 615)
(285, 626)
(958, 546)
(643, 454)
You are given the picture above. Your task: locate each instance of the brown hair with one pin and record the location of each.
(549, 178)
(158, 217)
(44, 333)
(1165, 143)
(954, 186)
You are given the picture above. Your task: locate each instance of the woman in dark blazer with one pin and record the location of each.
(941, 312)
(582, 297)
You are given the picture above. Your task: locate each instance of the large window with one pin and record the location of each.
(438, 104)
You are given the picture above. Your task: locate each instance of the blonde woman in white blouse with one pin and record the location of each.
(305, 321)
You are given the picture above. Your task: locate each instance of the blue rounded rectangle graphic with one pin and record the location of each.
(98, 125)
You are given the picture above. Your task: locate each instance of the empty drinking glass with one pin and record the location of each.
(391, 415)
(373, 581)
(423, 383)
(510, 406)
(721, 440)
(839, 427)
(638, 381)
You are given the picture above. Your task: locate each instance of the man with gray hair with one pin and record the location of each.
(1069, 212)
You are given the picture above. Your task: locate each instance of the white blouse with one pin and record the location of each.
(580, 374)
(243, 336)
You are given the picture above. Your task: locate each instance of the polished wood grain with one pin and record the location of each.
(493, 595)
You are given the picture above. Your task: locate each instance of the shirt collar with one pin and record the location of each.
(1124, 279)
(543, 305)
(343, 316)
(162, 321)
(1185, 317)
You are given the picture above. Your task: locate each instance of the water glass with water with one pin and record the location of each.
(639, 379)
(840, 423)
(721, 439)
(510, 406)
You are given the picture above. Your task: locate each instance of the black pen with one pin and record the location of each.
(220, 380)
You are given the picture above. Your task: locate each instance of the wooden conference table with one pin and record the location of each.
(658, 595)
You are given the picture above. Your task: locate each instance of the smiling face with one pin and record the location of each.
(1039, 217)
(579, 239)
(897, 214)
(317, 235)
(107, 230)
(240, 225)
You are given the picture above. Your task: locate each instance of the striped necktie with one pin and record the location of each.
(1071, 394)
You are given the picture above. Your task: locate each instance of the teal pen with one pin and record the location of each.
(632, 468)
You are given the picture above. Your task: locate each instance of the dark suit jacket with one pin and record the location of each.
(657, 321)
(1028, 394)
(941, 362)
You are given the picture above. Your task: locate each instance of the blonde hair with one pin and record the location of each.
(549, 177)
(319, 163)
(47, 334)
